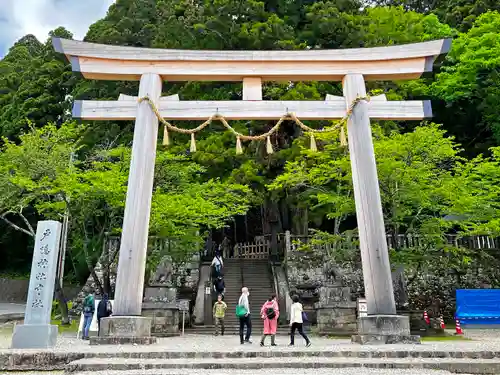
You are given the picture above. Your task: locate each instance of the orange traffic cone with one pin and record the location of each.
(458, 329)
(426, 318)
(441, 322)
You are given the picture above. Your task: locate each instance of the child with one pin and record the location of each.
(219, 314)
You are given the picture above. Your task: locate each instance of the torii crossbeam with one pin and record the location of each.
(351, 66)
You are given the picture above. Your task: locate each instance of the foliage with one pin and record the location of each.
(470, 81)
(39, 172)
(418, 166)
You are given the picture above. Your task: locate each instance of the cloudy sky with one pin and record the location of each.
(38, 17)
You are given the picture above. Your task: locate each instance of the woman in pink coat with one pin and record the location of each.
(270, 313)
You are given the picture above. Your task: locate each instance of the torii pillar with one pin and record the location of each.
(351, 66)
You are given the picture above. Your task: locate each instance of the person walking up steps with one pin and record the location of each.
(219, 314)
(243, 314)
(219, 286)
(296, 321)
(217, 264)
(270, 313)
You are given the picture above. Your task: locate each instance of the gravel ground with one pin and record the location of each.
(204, 343)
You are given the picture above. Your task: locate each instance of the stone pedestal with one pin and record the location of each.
(335, 312)
(384, 329)
(34, 336)
(118, 330)
(160, 305)
(164, 318)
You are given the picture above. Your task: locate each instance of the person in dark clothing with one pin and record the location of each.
(219, 286)
(104, 309)
(243, 313)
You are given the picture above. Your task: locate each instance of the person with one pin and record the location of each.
(217, 263)
(296, 321)
(219, 286)
(88, 314)
(104, 310)
(226, 247)
(219, 312)
(270, 313)
(243, 313)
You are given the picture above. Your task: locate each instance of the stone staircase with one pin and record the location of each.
(318, 361)
(256, 275)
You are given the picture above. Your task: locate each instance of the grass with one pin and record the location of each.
(7, 330)
(72, 328)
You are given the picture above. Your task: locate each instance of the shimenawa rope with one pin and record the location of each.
(239, 136)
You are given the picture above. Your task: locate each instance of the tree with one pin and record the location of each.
(414, 171)
(34, 86)
(469, 83)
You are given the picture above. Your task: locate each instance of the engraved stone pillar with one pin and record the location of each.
(37, 332)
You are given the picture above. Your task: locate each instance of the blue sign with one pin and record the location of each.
(478, 306)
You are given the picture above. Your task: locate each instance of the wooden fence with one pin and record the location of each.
(252, 250)
(403, 241)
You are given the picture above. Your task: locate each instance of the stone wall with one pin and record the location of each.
(432, 289)
(307, 271)
(183, 275)
(16, 291)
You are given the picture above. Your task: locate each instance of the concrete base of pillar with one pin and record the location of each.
(384, 329)
(124, 330)
(34, 336)
(122, 340)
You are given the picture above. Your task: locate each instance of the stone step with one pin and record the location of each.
(463, 366)
(312, 371)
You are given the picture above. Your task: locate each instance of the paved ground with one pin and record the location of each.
(207, 343)
(11, 308)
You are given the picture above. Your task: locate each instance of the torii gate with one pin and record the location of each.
(351, 66)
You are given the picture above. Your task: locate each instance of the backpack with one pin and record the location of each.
(270, 313)
(304, 317)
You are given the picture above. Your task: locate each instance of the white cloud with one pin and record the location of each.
(38, 17)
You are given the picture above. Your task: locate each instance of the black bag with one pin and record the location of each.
(270, 313)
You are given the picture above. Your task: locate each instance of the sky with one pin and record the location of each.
(38, 17)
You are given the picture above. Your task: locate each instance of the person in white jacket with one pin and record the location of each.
(296, 321)
(245, 320)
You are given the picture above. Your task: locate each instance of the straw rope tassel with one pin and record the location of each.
(239, 149)
(313, 143)
(343, 138)
(269, 146)
(193, 143)
(166, 139)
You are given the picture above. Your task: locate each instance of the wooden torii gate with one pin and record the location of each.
(351, 66)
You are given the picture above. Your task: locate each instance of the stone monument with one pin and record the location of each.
(335, 311)
(160, 300)
(37, 332)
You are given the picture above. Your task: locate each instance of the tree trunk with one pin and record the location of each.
(300, 221)
(63, 306)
